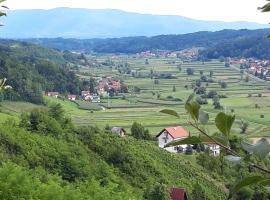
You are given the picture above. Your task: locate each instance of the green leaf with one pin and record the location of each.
(1, 1)
(190, 98)
(224, 123)
(219, 139)
(189, 140)
(245, 182)
(2, 14)
(203, 117)
(193, 109)
(261, 149)
(170, 112)
(265, 182)
(247, 146)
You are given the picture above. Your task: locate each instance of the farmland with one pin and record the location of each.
(250, 101)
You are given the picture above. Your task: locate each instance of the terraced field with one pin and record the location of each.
(144, 107)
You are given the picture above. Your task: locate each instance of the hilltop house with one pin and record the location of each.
(119, 131)
(178, 194)
(170, 134)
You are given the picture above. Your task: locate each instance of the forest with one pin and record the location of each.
(31, 69)
(228, 43)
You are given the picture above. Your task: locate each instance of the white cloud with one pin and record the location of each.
(224, 10)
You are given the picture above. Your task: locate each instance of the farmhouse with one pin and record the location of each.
(170, 134)
(119, 131)
(72, 97)
(178, 194)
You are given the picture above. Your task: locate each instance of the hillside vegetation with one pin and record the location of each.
(233, 43)
(30, 69)
(45, 157)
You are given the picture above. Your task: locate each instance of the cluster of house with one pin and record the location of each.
(107, 83)
(260, 68)
(187, 54)
(171, 134)
(103, 86)
(85, 95)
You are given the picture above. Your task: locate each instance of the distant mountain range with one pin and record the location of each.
(104, 23)
(228, 43)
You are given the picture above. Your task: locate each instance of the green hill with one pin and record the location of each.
(30, 69)
(45, 156)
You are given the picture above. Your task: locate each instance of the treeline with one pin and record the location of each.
(249, 43)
(45, 157)
(29, 69)
(247, 47)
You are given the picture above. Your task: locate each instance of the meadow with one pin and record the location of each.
(250, 101)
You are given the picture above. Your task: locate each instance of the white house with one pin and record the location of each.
(119, 131)
(170, 134)
(214, 148)
(72, 97)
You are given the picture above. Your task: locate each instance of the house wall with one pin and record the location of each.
(162, 143)
(214, 148)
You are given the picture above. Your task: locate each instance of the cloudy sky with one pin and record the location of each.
(224, 10)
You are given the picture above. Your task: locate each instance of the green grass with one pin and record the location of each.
(144, 107)
(86, 105)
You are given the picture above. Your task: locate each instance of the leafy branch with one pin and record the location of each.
(223, 123)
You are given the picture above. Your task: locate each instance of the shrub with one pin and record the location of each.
(190, 71)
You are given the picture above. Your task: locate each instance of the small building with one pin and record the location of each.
(119, 131)
(214, 149)
(53, 94)
(85, 93)
(170, 134)
(178, 194)
(72, 97)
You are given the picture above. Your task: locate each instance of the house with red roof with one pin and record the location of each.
(170, 134)
(178, 194)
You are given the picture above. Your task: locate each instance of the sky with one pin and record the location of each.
(216, 10)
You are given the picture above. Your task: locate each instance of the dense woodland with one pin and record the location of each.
(30, 69)
(233, 43)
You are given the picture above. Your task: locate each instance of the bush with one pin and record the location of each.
(190, 71)
(138, 132)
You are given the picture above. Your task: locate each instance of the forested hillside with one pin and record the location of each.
(51, 159)
(250, 43)
(30, 69)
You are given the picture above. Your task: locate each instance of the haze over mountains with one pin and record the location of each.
(104, 23)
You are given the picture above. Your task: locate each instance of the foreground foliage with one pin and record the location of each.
(45, 157)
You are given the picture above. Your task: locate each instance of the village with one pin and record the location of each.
(104, 86)
(256, 67)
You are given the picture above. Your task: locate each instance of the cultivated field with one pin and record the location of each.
(144, 106)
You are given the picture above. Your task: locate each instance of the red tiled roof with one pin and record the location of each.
(178, 194)
(177, 132)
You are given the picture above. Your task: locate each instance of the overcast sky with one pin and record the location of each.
(224, 10)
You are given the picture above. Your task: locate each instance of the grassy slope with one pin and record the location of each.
(144, 163)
